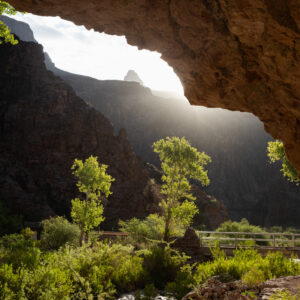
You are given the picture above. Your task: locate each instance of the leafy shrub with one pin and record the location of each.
(253, 277)
(242, 226)
(183, 283)
(140, 230)
(57, 232)
(76, 273)
(247, 264)
(162, 264)
(152, 228)
(19, 249)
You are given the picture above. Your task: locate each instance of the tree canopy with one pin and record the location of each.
(93, 182)
(179, 162)
(276, 152)
(5, 35)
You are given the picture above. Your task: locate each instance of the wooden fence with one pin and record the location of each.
(258, 239)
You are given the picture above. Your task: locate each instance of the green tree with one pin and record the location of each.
(276, 152)
(179, 162)
(5, 34)
(94, 183)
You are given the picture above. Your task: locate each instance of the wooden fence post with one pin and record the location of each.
(293, 241)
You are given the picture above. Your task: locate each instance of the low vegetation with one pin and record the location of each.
(65, 265)
(105, 270)
(248, 265)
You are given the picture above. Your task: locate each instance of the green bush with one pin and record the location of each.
(184, 282)
(19, 250)
(140, 231)
(162, 264)
(247, 264)
(75, 273)
(58, 231)
(242, 226)
(253, 277)
(151, 228)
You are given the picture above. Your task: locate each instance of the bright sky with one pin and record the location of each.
(78, 50)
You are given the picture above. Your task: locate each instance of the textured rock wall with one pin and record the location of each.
(235, 54)
(44, 126)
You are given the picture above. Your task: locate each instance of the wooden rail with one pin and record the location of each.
(275, 240)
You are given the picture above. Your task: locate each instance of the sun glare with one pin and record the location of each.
(78, 50)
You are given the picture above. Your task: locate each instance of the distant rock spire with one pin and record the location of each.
(133, 76)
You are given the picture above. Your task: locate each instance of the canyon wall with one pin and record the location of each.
(44, 126)
(239, 54)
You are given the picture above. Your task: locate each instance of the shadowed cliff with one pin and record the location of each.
(240, 173)
(44, 126)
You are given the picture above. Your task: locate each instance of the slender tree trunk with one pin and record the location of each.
(81, 237)
(167, 228)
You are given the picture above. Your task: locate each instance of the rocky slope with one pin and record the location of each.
(239, 54)
(44, 126)
(240, 173)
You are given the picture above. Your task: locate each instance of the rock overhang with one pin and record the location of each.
(239, 54)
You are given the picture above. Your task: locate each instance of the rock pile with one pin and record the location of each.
(214, 289)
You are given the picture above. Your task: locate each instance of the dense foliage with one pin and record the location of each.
(248, 265)
(5, 34)
(104, 271)
(57, 232)
(93, 182)
(276, 152)
(179, 162)
(242, 226)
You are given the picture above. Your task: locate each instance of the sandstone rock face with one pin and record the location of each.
(44, 126)
(238, 54)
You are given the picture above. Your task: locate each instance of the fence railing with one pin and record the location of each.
(255, 239)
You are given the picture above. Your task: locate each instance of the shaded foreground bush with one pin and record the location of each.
(59, 231)
(107, 270)
(73, 273)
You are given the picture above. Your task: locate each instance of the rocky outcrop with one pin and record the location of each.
(133, 76)
(44, 126)
(218, 289)
(190, 245)
(21, 29)
(287, 283)
(240, 55)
